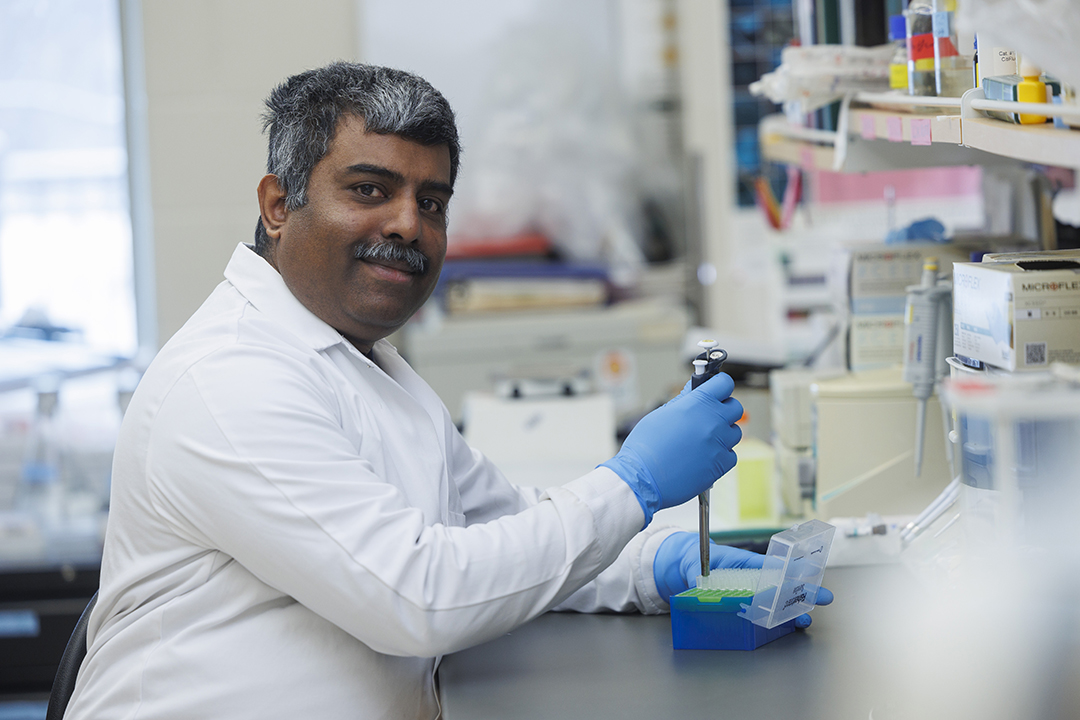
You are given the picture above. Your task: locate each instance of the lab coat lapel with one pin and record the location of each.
(411, 453)
(419, 391)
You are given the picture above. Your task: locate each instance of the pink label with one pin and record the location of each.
(920, 131)
(867, 129)
(806, 160)
(894, 129)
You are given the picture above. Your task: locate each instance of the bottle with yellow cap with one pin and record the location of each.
(1031, 89)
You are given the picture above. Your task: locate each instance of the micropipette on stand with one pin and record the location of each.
(706, 365)
(928, 304)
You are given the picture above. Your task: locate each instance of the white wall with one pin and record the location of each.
(740, 300)
(208, 66)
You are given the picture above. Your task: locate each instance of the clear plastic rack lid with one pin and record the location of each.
(791, 574)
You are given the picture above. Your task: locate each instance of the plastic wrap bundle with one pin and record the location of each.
(817, 75)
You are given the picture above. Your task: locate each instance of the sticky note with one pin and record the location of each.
(920, 131)
(866, 127)
(940, 22)
(921, 46)
(894, 129)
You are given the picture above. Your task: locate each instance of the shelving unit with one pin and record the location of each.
(1031, 143)
(880, 124)
(807, 148)
(958, 126)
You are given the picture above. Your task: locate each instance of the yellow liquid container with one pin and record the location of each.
(1031, 89)
(757, 487)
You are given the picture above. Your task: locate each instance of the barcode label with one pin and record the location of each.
(1035, 353)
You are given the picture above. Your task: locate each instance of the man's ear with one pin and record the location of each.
(272, 205)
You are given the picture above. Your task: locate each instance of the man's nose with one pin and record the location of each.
(403, 220)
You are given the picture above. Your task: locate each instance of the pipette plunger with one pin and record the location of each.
(706, 365)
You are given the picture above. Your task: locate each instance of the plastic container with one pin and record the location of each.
(1019, 458)
(1031, 90)
(745, 609)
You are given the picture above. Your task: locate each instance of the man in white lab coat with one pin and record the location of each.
(297, 529)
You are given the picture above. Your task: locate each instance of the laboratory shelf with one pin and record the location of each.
(1043, 144)
(920, 132)
(881, 124)
(792, 151)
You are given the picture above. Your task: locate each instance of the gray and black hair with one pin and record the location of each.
(302, 115)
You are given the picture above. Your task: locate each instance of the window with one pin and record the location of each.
(759, 31)
(65, 226)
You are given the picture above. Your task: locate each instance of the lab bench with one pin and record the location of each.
(564, 665)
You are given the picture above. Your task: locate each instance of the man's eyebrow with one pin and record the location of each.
(368, 169)
(437, 186)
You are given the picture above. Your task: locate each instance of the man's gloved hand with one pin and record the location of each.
(679, 450)
(678, 563)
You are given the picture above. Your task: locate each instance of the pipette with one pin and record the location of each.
(706, 365)
(923, 316)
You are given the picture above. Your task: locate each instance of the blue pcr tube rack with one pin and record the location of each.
(743, 609)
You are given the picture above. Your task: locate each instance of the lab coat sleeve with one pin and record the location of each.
(628, 585)
(485, 492)
(305, 514)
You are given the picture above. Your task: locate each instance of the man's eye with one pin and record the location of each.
(369, 190)
(432, 206)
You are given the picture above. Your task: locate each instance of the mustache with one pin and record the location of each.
(417, 262)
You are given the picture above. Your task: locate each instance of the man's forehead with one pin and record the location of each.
(353, 147)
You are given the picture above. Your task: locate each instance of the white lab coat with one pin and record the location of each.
(299, 532)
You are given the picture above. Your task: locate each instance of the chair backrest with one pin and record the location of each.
(66, 673)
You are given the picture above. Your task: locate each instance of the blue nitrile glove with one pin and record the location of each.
(679, 450)
(678, 563)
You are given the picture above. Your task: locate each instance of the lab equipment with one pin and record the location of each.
(707, 364)
(926, 316)
(932, 512)
(541, 441)
(872, 278)
(952, 69)
(631, 350)
(920, 47)
(40, 494)
(873, 411)
(1019, 459)
(681, 447)
(1021, 314)
(1026, 87)
(791, 414)
(742, 609)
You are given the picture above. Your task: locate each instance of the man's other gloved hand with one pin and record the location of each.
(678, 563)
(679, 450)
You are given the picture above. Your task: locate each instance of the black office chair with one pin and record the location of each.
(74, 652)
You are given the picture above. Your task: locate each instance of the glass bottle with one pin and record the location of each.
(919, 19)
(39, 491)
